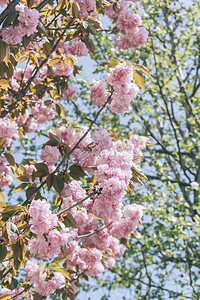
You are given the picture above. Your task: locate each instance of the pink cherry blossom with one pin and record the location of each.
(3, 3)
(14, 292)
(127, 21)
(42, 219)
(41, 285)
(30, 125)
(28, 20)
(42, 112)
(11, 36)
(98, 93)
(78, 48)
(50, 155)
(67, 70)
(70, 92)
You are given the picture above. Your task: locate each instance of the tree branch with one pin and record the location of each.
(8, 9)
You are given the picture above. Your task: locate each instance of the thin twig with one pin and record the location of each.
(77, 203)
(96, 231)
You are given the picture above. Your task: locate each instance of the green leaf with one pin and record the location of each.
(9, 158)
(42, 168)
(47, 48)
(26, 40)
(50, 181)
(53, 138)
(30, 3)
(76, 172)
(89, 43)
(3, 252)
(58, 184)
(69, 220)
(22, 178)
(3, 47)
(75, 10)
(41, 28)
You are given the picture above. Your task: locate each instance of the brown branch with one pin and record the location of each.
(77, 203)
(8, 9)
(96, 231)
(42, 4)
(168, 179)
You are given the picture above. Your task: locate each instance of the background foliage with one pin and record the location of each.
(163, 259)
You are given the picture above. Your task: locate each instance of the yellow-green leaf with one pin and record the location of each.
(112, 63)
(7, 56)
(57, 268)
(22, 59)
(2, 197)
(4, 84)
(2, 141)
(143, 69)
(2, 204)
(135, 58)
(20, 187)
(10, 208)
(21, 169)
(139, 78)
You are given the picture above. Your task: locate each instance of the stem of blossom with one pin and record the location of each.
(77, 203)
(96, 231)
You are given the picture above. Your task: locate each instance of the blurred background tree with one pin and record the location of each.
(163, 260)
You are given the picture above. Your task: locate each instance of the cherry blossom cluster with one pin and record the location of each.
(134, 36)
(49, 240)
(42, 284)
(120, 78)
(8, 130)
(28, 20)
(110, 161)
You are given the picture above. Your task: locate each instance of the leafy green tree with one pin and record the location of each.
(163, 259)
